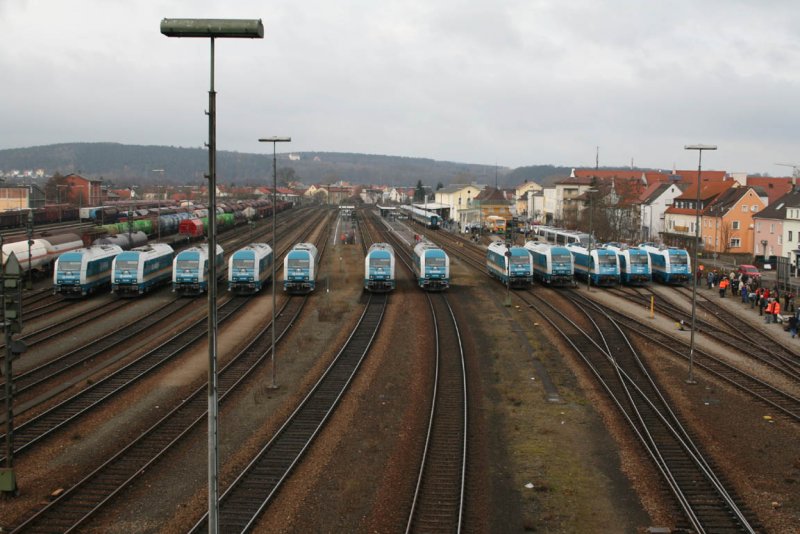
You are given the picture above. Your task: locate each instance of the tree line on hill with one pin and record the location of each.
(125, 165)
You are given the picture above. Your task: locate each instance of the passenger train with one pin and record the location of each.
(670, 265)
(559, 236)
(552, 264)
(431, 267)
(84, 271)
(139, 270)
(300, 269)
(634, 264)
(190, 270)
(512, 266)
(379, 268)
(601, 265)
(428, 219)
(249, 268)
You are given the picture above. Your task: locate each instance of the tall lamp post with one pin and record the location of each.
(590, 192)
(158, 219)
(690, 379)
(29, 278)
(212, 29)
(274, 141)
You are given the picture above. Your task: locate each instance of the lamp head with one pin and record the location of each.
(222, 28)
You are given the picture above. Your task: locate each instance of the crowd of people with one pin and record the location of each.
(772, 304)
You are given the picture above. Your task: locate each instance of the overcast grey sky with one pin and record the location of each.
(485, 81)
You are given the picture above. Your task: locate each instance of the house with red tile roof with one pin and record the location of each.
(727, 225)
(680, 218)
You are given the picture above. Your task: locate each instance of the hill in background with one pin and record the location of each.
(133, 164)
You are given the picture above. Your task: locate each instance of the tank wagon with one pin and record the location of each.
(379, 266)
(249, 267)
(300, 269)
(43, 252)
(431, 267)
(511, 265)
(125, 240)
(552, 264)
(599, 264)
(84, 271)
(634, 264)
(190, 270)
(142, 269)
(428, 219)
(670, 265)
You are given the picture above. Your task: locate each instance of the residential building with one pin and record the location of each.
(653, 203)
(727, 223)
(679, 219)
(458, 198)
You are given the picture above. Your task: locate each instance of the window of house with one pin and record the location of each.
(780, 240)
(789, 236)
(772, 228)
(735, 243)
(744, 208)
(735, 225)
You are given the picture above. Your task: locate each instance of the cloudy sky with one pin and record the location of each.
(518, 82)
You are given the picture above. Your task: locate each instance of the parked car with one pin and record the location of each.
(750, 271)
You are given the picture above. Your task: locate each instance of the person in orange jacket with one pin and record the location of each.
(723, 286)
(776, 310)
(768, 314)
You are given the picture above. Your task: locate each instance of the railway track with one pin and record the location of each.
(79, 504)
(45, 424)
(706, 503)
(438, 504)
(248, 496)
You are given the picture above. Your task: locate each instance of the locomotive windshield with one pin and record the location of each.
(186, 265)
(380, 262)
(127, 264)
(676, 258)
(607, 259)
(298, 263)
(638, 259)
(562, 259)
(242, 264)
(435, 262)
(69, 266)
(520, 260)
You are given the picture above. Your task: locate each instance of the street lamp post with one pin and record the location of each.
(690, 379)
(274, 141)
(590, 192)
(212, 29)
(29, 283)
(158, 218)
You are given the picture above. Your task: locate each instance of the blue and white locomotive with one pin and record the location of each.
(428, 219)
(599, 264)
(83, 271)
(141, 269)
(552, 264)
(513, 266)
(634, 264)
(300, 269)
(431, 266)
(670, 265)
(190, 273)
(379, 268)
(249, 268)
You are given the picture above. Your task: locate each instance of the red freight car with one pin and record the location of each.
(191, 227)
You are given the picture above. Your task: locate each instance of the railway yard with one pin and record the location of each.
(475, 409)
